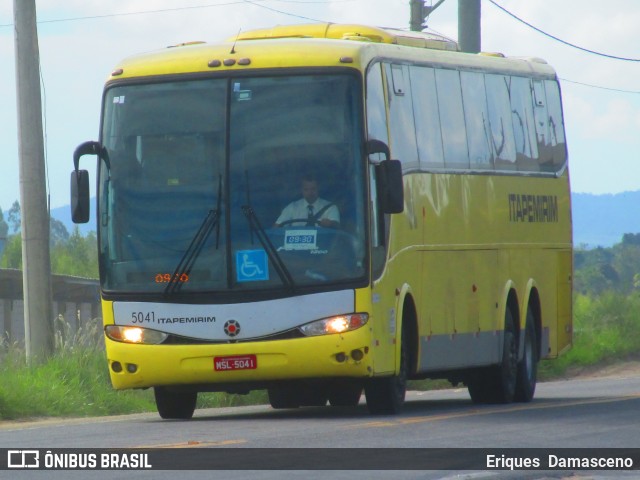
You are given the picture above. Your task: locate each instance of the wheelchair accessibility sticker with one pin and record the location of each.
(251, 265)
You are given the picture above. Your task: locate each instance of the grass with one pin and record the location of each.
(75, 381)
(606, 330)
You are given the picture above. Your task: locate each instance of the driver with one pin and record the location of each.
(310, 210)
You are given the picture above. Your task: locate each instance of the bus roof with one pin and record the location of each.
(320, 45)
(355, 32)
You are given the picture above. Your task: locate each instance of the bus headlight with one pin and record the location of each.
(135, 335)
(338, 324)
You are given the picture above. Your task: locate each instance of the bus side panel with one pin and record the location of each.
(481, 234)
(458, 326)
(459, 304)
(564, 309)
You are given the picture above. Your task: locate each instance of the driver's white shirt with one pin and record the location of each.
(298, 210)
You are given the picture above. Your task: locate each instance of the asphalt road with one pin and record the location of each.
(585, 413)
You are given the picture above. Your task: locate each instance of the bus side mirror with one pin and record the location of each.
(80, 207)
(388, 178)
(390, 186)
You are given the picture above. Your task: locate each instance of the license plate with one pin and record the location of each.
(237, 362)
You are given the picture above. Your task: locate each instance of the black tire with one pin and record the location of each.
(498, 384)
(385, 396)
(297, 395)
(313, 396)
(175, 405)
(528, 366)
(283, 397)
(345, 394)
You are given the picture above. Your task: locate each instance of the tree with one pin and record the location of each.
(70, 254)
(58, 232)
(12, 257)
(631, 239)
(14, 217)
(76, 256)
(614, 269)
(4, 227)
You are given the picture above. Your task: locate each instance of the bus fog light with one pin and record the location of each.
(337, 324)
(132, 367)
(116, 367)
(135, 335)
(357, 355)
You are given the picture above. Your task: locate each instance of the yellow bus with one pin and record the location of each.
(324, 210)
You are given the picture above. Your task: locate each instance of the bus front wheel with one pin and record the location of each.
(385, 396)
(175, 405)
(297, 395)
(345, 394)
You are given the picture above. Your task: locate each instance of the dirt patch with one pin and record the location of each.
(628, 368)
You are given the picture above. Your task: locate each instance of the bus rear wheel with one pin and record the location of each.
(528, 367)
(497, 384)
(175, 405)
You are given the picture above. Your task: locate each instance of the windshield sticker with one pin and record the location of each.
(251, 266)
(300, 239)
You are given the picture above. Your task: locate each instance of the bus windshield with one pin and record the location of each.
(232, 184)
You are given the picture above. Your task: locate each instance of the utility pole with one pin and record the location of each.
(419, 13)
(469, 31)
(36, 262)
(469, 26)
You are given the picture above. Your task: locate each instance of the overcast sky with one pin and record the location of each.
(82, 40)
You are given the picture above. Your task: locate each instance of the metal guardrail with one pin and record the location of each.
(75, 299)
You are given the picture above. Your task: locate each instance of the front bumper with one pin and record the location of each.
(320, 357)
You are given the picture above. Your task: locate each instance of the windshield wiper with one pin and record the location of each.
(272, 253)
(191, 254)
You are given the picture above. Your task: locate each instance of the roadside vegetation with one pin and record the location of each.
(75, 380)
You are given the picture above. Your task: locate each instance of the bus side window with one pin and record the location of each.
(545, 159)
(556, 125)
(500, 120)
(425, 108)
(524, 124)
(476, 118)
(454, 136)
(401, 126)
(376, 129)
(376, 111)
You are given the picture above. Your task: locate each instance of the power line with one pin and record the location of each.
(192, 7)
(282, 12)
(600, 87)
(258, 4)
(563, 41)
(124, 14)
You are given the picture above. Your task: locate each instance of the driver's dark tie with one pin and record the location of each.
(310, 219)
